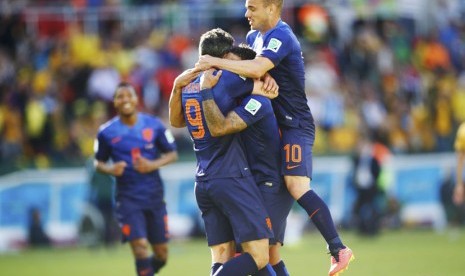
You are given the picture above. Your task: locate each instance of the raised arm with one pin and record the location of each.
(217, 123)
(176, 116)
(254, 68)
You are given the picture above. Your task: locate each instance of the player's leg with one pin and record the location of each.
(133, 228)
(158, 235)
(258, 250)
(241, 201)
(141, 252)
(221, 253)
(160, 256)
(297, 170)
(220, 237)
(278, 203)
(275, 260)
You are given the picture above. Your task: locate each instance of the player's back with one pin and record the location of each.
(282, 47)
(261, 139)
(217, 157)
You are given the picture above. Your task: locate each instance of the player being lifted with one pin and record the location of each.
(279, 55)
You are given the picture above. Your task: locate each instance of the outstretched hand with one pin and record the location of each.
(259, 90)
(209, 78)
(142, 165)
(118, 168)
(186, 77)
(205, 62)
(266, 86)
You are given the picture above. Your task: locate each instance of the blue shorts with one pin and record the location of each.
(296, 151)
(278, 203)
(149, 223)
(232, 209)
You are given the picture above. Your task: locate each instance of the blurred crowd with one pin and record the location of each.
(57, 79)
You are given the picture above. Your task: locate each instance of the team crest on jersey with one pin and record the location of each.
(274, 45)
(253, 106)
(147, 134)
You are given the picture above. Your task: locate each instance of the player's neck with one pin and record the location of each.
(129, 120)
(271, 24)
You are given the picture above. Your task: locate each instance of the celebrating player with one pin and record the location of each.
(280, 55)
(255, 118)
(138, 145)
(231, 205)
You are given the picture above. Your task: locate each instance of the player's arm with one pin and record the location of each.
(255, 68)
(115, 169)
(217, 123)
(102, 155)
(144, 165)
(176, 116)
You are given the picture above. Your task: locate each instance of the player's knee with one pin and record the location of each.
(160, 251)
(221, 253)
(140, 248)
(275, 256)
(261, 259)
(259, 252)
(297, 185)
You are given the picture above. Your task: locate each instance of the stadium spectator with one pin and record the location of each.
(459, 190)
(36, 234)
(367, 168)
(138, 144)
(231, 204)
(279, 54)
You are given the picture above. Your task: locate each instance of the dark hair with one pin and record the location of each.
(215, 42)
(243, 51)
(124, 84)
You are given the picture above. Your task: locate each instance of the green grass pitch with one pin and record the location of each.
(404, 252)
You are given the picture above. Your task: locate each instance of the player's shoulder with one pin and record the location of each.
(108, 125)
(150, 119)
(258, 102)
(252, 34)
(282, 31)
(227, 76)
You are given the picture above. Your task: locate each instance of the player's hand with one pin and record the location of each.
(142, 165)
(118, 168)
(269, 84)
(186, 77)
(259, 90)
(209, 78)
(459, 194)
(205, 62)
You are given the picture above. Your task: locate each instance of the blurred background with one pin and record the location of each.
(385, 81)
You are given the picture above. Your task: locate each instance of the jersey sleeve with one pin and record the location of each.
(164, 139)
(277, 46)
(234, 85)
(253, 108)
(101, 148)
(460, 138)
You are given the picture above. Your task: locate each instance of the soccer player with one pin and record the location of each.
(231, 204)
(459, 190)
(138, 144)
(280, 55)
(255, 118)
